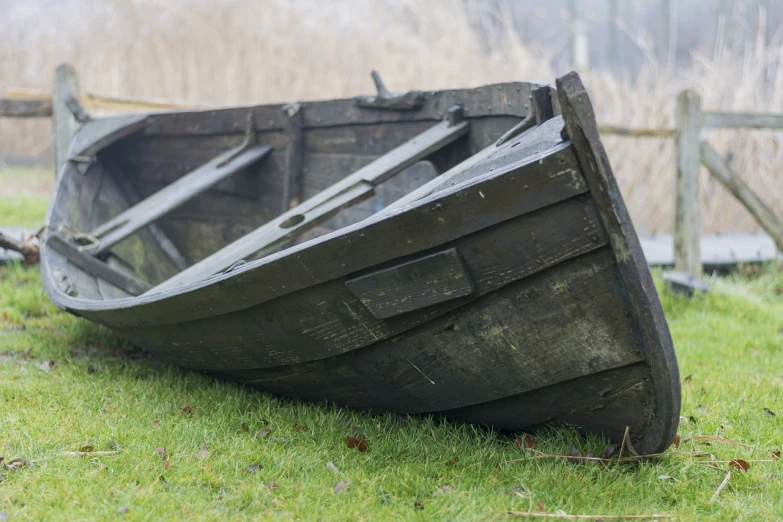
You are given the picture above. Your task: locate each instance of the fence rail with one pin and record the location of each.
(692, 152)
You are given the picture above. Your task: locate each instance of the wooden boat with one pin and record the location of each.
(465, 252)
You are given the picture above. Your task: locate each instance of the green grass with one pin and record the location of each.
(24, 195)
(727, 342)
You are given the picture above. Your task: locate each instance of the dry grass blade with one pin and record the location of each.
(721, 440)
(720, 488)
(89, 453)
(534, 514)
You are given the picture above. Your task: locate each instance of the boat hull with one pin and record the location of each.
(513, 295)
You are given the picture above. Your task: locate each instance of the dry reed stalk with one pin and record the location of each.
(236, 51)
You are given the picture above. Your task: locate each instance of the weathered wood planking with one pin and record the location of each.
(412, 285)
(520, 188)
(560, 322)
(486, 102)
(196, 182)
(95, 135)
(546, 403)
(290, 223)
(642, 298)
(332, 320)
(481, 353)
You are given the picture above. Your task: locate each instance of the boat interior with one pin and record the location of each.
(147, 203)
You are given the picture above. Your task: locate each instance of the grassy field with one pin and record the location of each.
(184, 446)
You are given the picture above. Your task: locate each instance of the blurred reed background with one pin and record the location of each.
(236, 52)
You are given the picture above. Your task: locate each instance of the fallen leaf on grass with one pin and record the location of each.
(740, 464)
(676, 441)
(608, 452)
(688, 378)
(271, 485)
(541, 507)
(253, 467)
(356, 442)
(299, 427)
(442, 490)
(453, 461)
(418, 505)
(769, 412)
(775, 455)
(187, 410)
(339, 487)
(87, 449)
(330, 466)
(525, 441)
(203, 453)
(575, 455)
(162, 453)
(261, 434)
(16, 464)
(47, 365)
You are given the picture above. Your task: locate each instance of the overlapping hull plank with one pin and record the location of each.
(495, 283)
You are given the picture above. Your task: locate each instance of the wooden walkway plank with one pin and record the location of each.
(309, 213)
(174, 195)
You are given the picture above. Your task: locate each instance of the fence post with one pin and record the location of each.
(66, 81)
(687, 255)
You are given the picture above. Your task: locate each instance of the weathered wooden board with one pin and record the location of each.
(95, 135)
(332, 320)
(546, 403)
(291, 223)
(95, 267)
(151, 208)
(413, 285)
(687, 226)
(455, 212)
(509, 99)
(482, 351)
(66, 83)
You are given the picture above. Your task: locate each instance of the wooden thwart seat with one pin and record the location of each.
(94, 266)
(174, 195)
(350, 190)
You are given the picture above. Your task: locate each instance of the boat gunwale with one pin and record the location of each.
(78, 305)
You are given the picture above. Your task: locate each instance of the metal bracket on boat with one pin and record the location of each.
(250, 138)
(388, 100)
(75, 108)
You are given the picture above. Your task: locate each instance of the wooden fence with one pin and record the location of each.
(692, 151)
